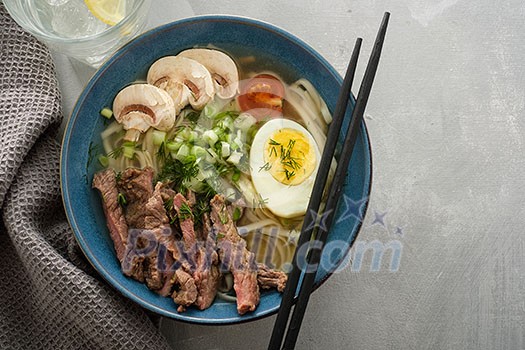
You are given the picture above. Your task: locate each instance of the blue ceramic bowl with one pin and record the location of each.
(288, 55)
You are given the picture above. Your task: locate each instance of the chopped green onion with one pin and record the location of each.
(235, 157)
(128, 151)
(226, 123)
(106, 113)
(103, 160)
(209, 111)
(210, 137)
(184, 134)
(193, 136)
(244, 121)
(236, 175)
(128, 144)
(158, 137)
(183, 153)
(236, 214)
(198, 152)
(173, 146)
(225, 149)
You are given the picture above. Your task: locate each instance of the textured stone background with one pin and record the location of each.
(446, 120)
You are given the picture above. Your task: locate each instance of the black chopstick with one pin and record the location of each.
(314, 255)
(315, 200)
(334, 193)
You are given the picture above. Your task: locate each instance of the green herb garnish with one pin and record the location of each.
(267, 166)
(121, 199)
(185, 212)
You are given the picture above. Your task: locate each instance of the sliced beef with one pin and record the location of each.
(106, 183)
(202, 253)
(137, 187)
(270, 278)
(156, 221)
(187, 226)
(151, 231)
(191, 198)
(207, 273)
(135, 256)
(187, 292)
(235, 257)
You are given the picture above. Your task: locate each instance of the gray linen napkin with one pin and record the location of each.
(50, 297)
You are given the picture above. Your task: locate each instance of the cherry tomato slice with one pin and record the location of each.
(262, 96)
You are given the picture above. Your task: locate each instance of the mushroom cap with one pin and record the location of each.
(222, 68)
(141, 106)
(186, 80)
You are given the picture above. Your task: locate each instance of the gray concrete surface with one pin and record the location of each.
(446, 120)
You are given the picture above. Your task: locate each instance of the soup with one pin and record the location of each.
(213, 159)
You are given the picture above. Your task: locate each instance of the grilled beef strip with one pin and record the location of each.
(207, 273)
(270, 278)
(187, 292)
(106, 183)
(156, 220)
(235, 257)
(137, 187)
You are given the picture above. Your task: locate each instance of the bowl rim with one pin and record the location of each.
(244, 20)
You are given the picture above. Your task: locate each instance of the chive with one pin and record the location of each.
(106, 113)
(274, 143)
(103, 160)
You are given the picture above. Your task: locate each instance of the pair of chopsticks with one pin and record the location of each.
(312, 214)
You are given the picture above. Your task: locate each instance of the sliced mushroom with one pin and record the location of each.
(141, 106)
(186, 80)
(222, 68)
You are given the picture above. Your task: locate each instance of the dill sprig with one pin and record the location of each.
(267, 166)
(178, 173)
(185, 212)
(116, 153)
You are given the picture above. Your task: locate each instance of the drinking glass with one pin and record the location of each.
(70, 27)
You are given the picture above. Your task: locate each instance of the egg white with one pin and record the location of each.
(286, 201)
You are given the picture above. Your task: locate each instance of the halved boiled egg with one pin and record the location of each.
(284, 160)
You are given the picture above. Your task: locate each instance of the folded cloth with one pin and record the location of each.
(50, 297)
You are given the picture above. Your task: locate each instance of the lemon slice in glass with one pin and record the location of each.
(108, 11)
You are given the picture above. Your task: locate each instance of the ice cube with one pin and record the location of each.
(74, 20)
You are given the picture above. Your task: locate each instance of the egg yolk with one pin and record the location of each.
(289, 156)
